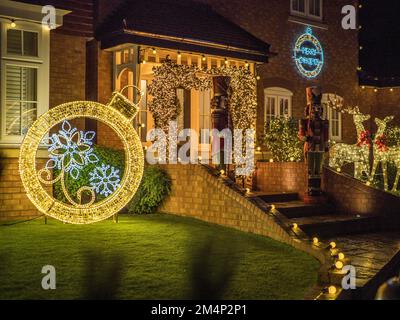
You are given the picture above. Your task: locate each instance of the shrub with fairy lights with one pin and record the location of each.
(281, 139)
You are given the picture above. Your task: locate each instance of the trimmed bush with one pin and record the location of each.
(154, 188)
(112, 157)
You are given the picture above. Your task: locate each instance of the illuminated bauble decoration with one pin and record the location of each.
(309, 55)
(71, 150)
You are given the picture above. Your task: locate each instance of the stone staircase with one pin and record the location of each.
(320, 220)
(365, 240)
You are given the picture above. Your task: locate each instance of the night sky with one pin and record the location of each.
(380, 37)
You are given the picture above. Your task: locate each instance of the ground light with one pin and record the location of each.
(332, 290)
(339, 265)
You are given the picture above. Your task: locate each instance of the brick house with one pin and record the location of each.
(98, 47)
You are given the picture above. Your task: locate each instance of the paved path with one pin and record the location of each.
(370, 253)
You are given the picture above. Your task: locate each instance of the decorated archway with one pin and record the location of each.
(169, 76)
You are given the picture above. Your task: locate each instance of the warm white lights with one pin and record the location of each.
(118, 115)
(339, 265)
(332, 290)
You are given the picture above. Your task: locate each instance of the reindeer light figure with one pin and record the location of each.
(358, 153)
(393, 155)
(382, 153)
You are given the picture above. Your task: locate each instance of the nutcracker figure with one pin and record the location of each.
(220, 117)
(314, 132)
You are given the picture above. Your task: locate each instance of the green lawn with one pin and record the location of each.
(149, 257)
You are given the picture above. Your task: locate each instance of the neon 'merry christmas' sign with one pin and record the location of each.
(309, 55)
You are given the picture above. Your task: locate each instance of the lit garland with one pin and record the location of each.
(242, 99)
(170, 76)
(167, 79)
(70, 150)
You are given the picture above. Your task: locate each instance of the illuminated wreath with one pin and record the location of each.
(71, 150)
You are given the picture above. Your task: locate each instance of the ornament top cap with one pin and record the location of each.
(121, 103)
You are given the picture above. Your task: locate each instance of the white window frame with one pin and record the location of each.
(328, 116)
(41, 63)
(278, 94)
(204, 100)
(306, 13)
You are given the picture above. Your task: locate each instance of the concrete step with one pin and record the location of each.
(298, 209)
(325, 226)
(278, 197)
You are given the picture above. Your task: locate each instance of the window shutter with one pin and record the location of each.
(21, 99)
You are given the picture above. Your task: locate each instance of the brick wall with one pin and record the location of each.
(268, 20)
(14, 204)
(67, 68)
(281, 177)
(354, 197)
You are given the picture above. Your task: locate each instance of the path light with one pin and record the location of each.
(332, 245)
(273, 207)
(315, 241)
(222, 172)
(295, 226)
(339, 265)
(341, 256)
(332, 290)
(271, 160)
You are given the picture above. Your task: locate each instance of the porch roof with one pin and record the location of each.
(179, 25)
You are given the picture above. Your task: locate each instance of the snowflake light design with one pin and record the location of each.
(105, 179)
(70, 150)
